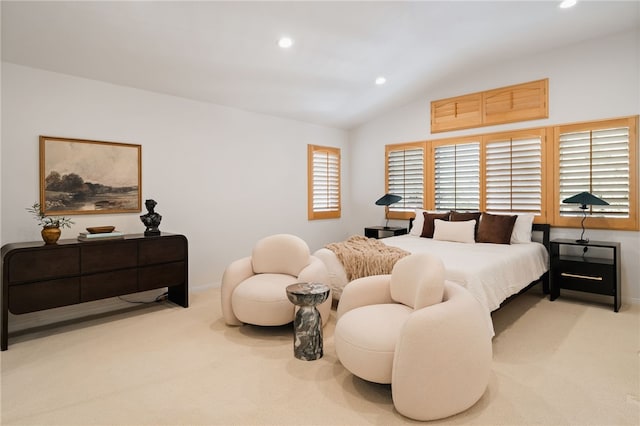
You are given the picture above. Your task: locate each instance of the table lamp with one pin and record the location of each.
(386, 200)
(585, 199)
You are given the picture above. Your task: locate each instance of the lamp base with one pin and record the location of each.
(582, 241)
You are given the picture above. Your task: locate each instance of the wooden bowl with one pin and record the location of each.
(100, 229)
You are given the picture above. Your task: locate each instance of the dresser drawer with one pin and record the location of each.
(31, 265)
(105, 257)
(33, 297)
(108, 284)
(168, 275)
(168, 249)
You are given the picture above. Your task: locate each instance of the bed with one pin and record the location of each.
(491, 272)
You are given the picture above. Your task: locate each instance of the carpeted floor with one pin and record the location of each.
(566, 362)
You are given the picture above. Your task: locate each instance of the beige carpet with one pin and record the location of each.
(555, 363)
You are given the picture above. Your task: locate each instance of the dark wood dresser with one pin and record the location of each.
(36, 276)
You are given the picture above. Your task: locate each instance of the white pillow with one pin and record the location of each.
(418, 223)
(461, 232)
(522, 228)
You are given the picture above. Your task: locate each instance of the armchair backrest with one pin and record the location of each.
(280, 254)
(417, 280)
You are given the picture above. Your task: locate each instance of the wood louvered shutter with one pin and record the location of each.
(596, 161)
(323, 168)
(514, 172)
(600, 158)
(456, 113)
(405, 177)
(526, 101)
(457, 176)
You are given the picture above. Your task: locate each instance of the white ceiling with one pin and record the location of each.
(226, 52)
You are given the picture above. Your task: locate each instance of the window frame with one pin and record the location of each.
(632, 223)
(311, 183)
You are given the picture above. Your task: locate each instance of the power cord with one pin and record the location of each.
(161, 298)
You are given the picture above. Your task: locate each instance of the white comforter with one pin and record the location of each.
(491, 272)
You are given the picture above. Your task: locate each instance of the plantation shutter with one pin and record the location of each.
(514, 175)
(405, 177)
(457, 177)
(596, 161)
(324, 182)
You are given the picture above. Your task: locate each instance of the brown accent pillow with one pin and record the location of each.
(496, 229)
(461, 217)
(428, 227)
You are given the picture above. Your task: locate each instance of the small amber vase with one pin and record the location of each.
(50, 234)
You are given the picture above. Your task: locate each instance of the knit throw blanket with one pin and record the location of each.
(362, 256)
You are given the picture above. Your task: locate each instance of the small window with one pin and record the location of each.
(323, 167)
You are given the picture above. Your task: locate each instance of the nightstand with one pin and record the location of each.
(383, 231)
(573, 267)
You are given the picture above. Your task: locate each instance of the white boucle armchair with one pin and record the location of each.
(430, 339)
(254, 288)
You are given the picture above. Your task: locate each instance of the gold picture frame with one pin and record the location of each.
(79, 176)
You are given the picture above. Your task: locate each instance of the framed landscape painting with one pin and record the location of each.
(84, 177)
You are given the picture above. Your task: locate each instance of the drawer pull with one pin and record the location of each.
(584, 277)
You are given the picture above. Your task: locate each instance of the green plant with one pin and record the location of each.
(48, 221)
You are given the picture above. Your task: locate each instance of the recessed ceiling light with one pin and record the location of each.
(380, 81)
(565, 4)
(285, 42)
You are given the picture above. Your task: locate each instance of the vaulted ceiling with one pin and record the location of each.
(227, 52)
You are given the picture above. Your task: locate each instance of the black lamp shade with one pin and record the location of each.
(585, 199)
(388, 199)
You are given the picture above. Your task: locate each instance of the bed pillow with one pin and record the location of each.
(495, 228)
(464, 216)
(461, 231)
(418, 222)
(522, 229)
(428, 227)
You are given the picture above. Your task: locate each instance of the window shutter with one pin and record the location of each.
(596, 161)
(324, 182)
(527, 101)
(405, 177)
(514, 175)
(456, 113)
(457, 177)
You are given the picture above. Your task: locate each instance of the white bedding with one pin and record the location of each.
(491, 272)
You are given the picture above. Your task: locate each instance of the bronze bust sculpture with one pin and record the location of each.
(151, 219)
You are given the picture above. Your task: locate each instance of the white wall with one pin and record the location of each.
(593, 80)
(221, 176)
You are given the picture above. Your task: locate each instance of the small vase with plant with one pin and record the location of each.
(50, 224)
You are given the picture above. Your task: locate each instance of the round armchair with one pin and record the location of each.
(254, 287)
(428, 338)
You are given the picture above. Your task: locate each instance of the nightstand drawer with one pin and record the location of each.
(577, 277)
